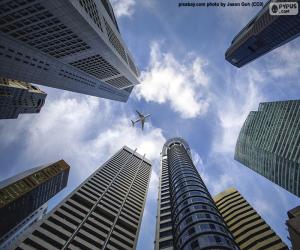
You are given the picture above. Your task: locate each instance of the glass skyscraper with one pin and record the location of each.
(263, 33)
(269, 143)
(187, 217)
(15, 233)
(104, 212)
(17, 97)
(24, 193)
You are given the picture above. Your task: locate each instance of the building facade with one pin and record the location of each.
(187, 217)
(24, 193)
(14, 234)
(262, 34)
(104, 212)
(248, 228)
(70, 45)
(17, 97)
(269, 143)
(293, 224)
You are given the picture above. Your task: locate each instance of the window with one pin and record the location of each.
(194, 244)
(166, 224)
(165, 210)
(165, 205)
(165, 217)
(191, 231)
(218, 239)
(186, 211)
(165, 244)
(165, 233)
(189, 220)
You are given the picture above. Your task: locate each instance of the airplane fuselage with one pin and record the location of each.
(142, 119)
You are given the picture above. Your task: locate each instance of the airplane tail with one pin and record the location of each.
(132, 123)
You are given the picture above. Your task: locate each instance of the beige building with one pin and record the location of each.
(246, 225)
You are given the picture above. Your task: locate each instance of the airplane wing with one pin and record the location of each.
(143, 122)
(139, 114)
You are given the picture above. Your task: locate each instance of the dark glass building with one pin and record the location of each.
(187, 217)
(262, 34)
(104, 212)
(17, 97)
(248, 228)
(7, 240)
(24, 193)
(269, 143)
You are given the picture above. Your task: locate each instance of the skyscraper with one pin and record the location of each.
(104, 212)
(70, 45)
(187, 217)
(293, 224)
(22, 194)
(7, 240)
(248, 228)
(18, 97)
(262, 34)
(269, 143)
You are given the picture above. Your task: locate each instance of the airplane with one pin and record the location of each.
(142, 119)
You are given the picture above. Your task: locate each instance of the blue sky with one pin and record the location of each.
(191, 92)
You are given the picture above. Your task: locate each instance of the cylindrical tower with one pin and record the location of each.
(196, 221)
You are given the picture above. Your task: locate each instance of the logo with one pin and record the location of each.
(283, 8)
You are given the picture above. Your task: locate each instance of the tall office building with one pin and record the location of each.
(248, 228)
(269, 143)
(104, 212)
(22, 194)
(187, 217)
(17, 97)
(70, 45)
(7, 240)
(293, 224)
(262, 34)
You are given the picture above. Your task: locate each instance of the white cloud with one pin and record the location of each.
(263, 207)
(182, 83)
(234, 106)
(285, 61)
(84, 131)
(123, 7)
(197, 160)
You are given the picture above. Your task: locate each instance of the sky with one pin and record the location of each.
(190, 90)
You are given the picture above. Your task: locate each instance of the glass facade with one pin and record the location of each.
(14, 234)
(262, 34)
(269, 143)
(187, 216)
(24, 193)
(17, 97)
